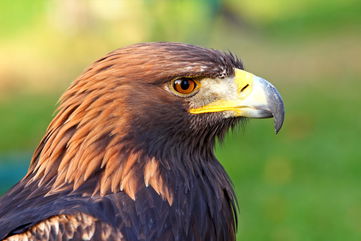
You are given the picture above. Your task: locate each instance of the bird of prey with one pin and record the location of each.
(129, 155)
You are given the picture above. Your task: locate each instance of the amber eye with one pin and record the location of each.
(185, 86)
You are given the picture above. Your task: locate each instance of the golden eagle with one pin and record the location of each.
(129, 155)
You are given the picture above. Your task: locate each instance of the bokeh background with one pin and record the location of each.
(303, 184)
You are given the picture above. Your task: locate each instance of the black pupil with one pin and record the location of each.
(184, 84)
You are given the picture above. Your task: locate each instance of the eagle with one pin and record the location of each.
(129, 155)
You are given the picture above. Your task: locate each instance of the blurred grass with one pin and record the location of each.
(24, 120)
(302, 184)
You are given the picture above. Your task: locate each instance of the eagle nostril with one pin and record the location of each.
(244, 87)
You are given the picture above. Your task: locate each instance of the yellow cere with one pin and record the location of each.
(243, 78)
(244, 84)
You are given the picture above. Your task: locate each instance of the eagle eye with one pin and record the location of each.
(185, 86)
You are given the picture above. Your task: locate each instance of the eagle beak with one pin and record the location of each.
(249, 96)
(261, 100)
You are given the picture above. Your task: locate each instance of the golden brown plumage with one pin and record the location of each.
(127, 157)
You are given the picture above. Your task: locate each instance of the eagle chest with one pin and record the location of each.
(198, 212)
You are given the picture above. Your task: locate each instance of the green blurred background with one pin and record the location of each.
(301, 185)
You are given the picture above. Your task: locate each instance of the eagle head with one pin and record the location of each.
(166, 93)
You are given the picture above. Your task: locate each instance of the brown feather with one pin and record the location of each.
(153, 178)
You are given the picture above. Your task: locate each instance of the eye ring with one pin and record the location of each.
(184, 86)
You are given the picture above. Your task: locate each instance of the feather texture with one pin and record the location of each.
(124, 160)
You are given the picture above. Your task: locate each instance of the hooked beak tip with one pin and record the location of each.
(277, 109)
